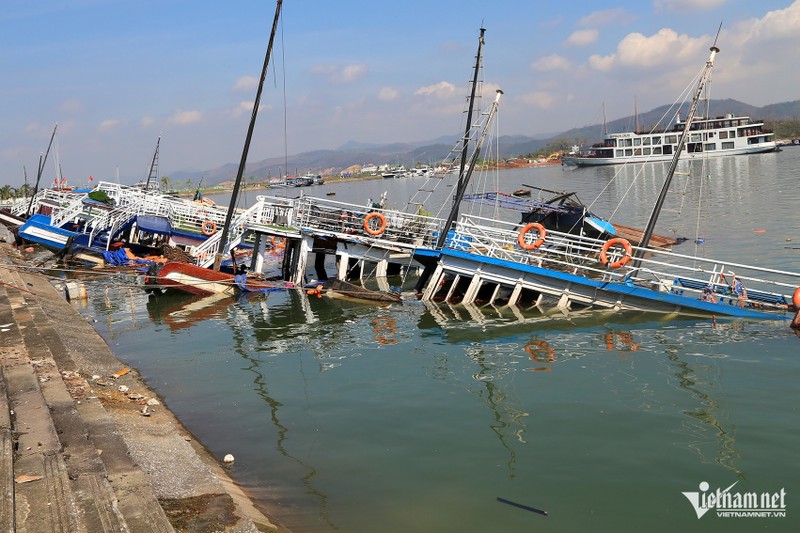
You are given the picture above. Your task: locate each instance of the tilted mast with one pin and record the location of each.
(462, 178)
(223, 241)
(651, 223)
(153, 171)
(42, 162)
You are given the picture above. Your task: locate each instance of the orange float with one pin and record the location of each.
(375, 232)
(616, 241)
(529, 246)
(208, 228)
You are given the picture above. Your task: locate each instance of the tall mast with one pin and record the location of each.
(651, 223)
(462, 178)
(153, 166)
(42, 162)
(223, 241)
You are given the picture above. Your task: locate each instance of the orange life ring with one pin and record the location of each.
(613, 242)
(208, 228)
(535, 244)
(541, 352)
(796, 298)
(375, 231)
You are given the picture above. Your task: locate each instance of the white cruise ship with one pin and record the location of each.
(709, 137)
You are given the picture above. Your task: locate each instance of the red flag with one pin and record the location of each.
(90, 178)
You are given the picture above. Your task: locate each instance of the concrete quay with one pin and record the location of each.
(82, 450)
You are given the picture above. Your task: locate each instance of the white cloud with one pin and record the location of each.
(778, 24)
(147, 121)
(246, 108)
(72, 106)
(607, 16)
(540, 99)
(691, 6)
(583, 37)
(339, 74)
(552, 62)
(439, 90)
(246, 83)
(183, 118)
(350, 73)
(108, 124)
(387, 94)
(636, 50)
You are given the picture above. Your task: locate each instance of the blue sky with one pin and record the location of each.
(115, 73)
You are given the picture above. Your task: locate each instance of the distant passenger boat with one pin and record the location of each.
(709, 137)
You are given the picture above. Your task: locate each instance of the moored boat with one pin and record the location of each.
(709, 137)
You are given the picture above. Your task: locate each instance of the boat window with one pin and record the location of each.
(626, 142)
(628, 151)
(723, 135)
(667, 149)
(657, 140)
(646, 141)
(709, 147)
(727, 145)
(646, 151)
(671, 139)
(637, 141)
(656, 150)
(695, 137)
(637, 151)
(620, 153)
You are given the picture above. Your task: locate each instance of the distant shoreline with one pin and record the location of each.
(228, 187)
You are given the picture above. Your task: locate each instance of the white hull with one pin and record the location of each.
(582, 161)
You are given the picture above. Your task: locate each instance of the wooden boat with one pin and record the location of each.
(521, 192)
(337, 288)
(204, 281)
(199, 280)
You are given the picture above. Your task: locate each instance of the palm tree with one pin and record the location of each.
(165, 183)
(5, 192)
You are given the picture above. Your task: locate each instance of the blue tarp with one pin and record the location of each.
(154, 224)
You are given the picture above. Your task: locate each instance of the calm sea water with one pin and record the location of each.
(348, 417)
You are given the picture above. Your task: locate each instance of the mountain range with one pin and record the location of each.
(433, 151)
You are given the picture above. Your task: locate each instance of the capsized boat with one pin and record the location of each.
(204, 281)
(337, 288)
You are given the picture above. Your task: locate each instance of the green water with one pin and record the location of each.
(347, 417)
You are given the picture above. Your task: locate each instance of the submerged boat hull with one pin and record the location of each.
(195, 279)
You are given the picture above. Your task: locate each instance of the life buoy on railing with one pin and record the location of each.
(614, 242)
(796, 298)
(381, 226)
(208, 228)
(525, 245)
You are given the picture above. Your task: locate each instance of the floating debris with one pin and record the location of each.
(228, 458)
(120, 373)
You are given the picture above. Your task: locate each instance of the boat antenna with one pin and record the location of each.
(42, 162)
(651, 223)
(462, 178)
(223, 241)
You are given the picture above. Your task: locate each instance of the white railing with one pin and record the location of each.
(657, 269)
(348, 220)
